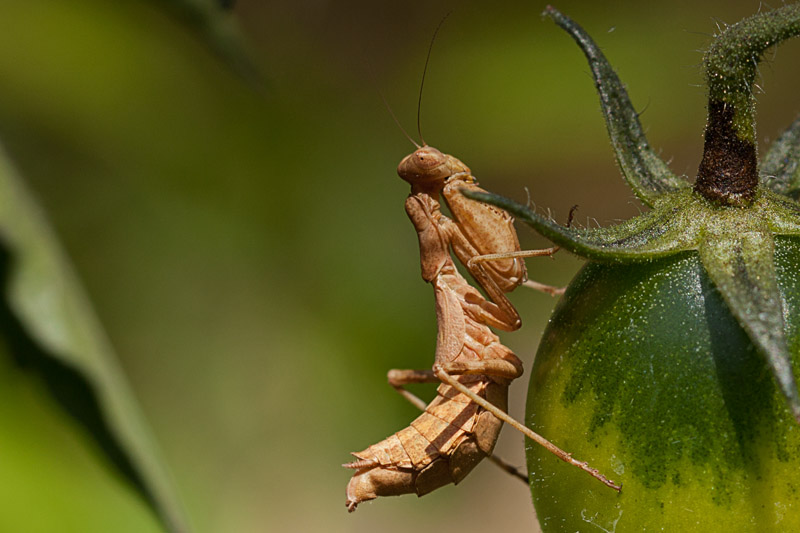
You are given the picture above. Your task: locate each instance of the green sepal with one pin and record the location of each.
(781, 213)
(667, 229)
(780, 167)
(646, 173)
(732, 60)
(741, 265)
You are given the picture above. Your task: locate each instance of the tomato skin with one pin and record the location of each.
(644, 373)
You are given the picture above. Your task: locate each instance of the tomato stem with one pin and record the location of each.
(728, 172)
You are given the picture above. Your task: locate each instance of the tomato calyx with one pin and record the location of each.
(734, 211)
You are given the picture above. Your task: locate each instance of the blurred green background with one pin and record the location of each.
(247, 250)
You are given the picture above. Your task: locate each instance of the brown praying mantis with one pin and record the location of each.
(461, 425)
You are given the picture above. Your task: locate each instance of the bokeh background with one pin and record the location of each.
(247, 250)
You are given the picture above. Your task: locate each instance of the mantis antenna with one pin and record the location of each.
(422, 83)
(391, 112)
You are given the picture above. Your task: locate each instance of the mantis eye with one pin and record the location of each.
(425, 165)
(428, 158)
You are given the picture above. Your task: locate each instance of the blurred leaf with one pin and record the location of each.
(49, 329)
(213, 20)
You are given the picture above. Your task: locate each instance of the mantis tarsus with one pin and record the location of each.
(461, 425)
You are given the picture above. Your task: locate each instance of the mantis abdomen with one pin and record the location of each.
(441, 446)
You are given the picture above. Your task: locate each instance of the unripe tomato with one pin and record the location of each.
(644, 373)
(671, 363)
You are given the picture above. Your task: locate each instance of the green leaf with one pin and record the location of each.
(49, 329)
(741, 265)
(780, 168)
(644, 171)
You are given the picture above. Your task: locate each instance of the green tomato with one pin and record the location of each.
(671, 363)
(644, 373)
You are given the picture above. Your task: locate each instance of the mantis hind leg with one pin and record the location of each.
(441, 373)
(541, 287)
(398, 378)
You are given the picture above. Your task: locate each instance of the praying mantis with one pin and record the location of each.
(461, 425)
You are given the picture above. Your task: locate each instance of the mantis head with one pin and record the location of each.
(427, 167)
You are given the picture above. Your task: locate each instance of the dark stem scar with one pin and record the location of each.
(728, 173)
